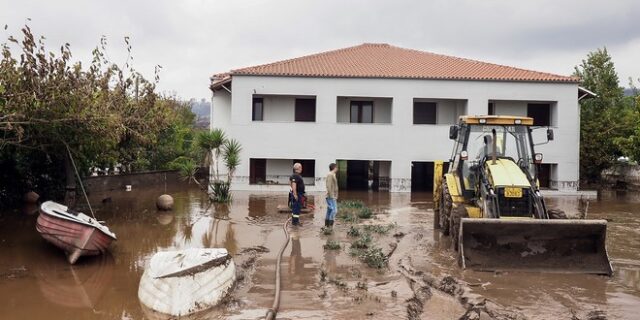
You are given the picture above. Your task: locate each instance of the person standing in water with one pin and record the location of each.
(297, 194)
(332, 195)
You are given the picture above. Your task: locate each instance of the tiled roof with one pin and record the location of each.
(371, 60)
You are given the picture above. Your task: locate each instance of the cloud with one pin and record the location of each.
(193, 39)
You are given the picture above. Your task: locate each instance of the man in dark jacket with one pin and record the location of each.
(297, 192)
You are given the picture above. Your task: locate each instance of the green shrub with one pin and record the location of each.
(348, 217)
(374, 258)
(331, 245)
(379, 229)
(351, 204)
(353, 231)
(365, 213)
(363, 242)
(220, 191)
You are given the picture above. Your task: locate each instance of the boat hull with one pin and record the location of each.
(188, 290)
(73, 238)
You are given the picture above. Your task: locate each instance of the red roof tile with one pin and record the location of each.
(385, 61)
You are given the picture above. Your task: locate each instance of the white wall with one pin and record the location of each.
(401, 142)
(220, 109)
(279, 108)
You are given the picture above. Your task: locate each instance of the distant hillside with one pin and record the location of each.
(202, 109)
(628, 92)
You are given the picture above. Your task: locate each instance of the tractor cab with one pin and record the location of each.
(494, 162)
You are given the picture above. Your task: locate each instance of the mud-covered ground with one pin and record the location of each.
(422, 279)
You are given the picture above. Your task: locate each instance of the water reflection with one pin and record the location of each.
(77, 286)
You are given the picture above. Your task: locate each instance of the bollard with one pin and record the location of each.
(164, 202)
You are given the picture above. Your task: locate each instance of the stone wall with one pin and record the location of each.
(622, 176)
(136, 180)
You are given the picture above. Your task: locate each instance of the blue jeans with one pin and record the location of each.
(332, 209)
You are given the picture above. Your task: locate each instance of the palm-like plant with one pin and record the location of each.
(231, 155)
(187, 169)
(212, 142)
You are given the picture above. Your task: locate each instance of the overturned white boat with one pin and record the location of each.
(187, 281)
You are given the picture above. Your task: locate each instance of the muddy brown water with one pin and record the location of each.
(37, 283)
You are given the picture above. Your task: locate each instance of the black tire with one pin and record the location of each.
(436, 212)
(445, 209)
(456, 214)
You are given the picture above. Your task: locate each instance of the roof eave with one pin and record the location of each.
(564, 80)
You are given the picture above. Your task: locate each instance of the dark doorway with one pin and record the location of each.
(358, 174)
(257, 171)
(422, 175)
(308, 167)
(544, 175)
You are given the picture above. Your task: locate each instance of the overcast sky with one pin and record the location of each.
(193, 39)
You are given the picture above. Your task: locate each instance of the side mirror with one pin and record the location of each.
(453, 132)
(550, 134)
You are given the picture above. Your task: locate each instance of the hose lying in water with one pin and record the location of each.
(271, 313)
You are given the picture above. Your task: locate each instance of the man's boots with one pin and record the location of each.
(331, 223)
(327, 223)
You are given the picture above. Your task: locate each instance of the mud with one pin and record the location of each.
(422, 280)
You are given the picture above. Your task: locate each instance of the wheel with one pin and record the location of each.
(436, 215)
(445, 209)
(454, 225)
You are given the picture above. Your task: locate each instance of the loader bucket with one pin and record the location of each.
(562, 246)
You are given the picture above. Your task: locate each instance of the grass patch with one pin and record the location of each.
(331, 245)
(348, 217)
(374, 258)
(365, 213)
(353, 232)
(362, 242)
(378, 228)
(351, 204)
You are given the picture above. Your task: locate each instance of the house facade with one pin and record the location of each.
(382, 113)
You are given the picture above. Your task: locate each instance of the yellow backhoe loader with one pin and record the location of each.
(489, 202)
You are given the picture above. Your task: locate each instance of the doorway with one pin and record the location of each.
(422, 175)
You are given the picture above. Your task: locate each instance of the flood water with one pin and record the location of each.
(37, 283)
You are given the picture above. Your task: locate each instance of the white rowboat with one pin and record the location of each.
(187, 281)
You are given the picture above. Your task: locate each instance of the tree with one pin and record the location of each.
(602, 119)
(103, 113)
(231, 150)
(211, 143)
(630, 144)
(215, 144)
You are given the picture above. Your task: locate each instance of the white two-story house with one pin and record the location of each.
(382, 113)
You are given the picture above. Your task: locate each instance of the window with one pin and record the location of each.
(424, 112)
(491, 109)
(361, 111)
(257, 171)
(540, 112)
(305, 110)
(308, 168)
(257, 113)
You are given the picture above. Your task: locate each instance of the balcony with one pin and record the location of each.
(364, 110)
(283, 108)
